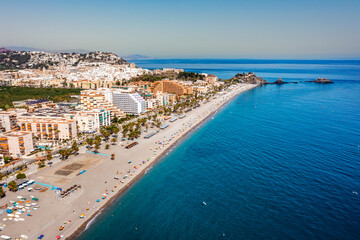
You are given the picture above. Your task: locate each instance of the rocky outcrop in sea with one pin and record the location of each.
(250, 78)
(323, 80)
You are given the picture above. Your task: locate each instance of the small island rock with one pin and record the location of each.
(323, 80)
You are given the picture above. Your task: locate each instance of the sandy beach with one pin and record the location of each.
(103, 180)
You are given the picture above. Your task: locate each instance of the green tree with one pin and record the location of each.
(74, 147)
(114, 140)
(49, 156)
(97, 147)
(12, 186)
(21, 176)
(89, 141)
(2, 192)
(41, 164)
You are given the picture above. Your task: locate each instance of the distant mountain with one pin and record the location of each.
(26, 49)
(30, 49)
(137, 57)
(4, 50)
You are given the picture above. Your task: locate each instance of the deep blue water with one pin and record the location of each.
(287, 169)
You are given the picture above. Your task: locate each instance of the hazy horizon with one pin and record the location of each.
(162, 29)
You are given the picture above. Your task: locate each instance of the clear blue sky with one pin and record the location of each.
(187, 28)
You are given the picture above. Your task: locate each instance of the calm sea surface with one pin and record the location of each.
(287, 169)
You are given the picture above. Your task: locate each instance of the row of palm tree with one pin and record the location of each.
(66, 152)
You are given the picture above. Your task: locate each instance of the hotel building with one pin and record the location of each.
(16, 143)
(100, 99)
(49, 128)
(130, 103)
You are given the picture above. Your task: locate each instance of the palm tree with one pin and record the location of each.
(89, 141)
(114, 140)
(97, 147)
(75, 147)
(49, 156)
(62, 153)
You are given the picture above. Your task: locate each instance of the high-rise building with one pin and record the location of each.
(130, 103)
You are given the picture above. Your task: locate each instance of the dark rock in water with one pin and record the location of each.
(279, 81)
(323, 80)
(248, 78)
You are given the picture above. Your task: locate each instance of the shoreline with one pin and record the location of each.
(83, 226)
(104, 180)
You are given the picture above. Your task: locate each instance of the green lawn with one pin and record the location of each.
(10, 94)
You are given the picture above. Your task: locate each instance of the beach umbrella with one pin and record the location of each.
(97, 200)
(35, 199)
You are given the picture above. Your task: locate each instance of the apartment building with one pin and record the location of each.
(91, 120)
(174, 87)
(48, 128)
(130, 103)
(16, 143)
(8, 121)
(99, 99)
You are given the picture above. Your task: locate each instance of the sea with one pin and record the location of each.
(276, 162)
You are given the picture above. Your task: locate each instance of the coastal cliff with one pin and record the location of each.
(249, 78)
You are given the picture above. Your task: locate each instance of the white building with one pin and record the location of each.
(163, 99)
(151, 104)
(91, 121)
(130, 103)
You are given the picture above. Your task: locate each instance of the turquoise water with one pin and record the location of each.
(287, 169)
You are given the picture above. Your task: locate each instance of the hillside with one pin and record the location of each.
(36, 59)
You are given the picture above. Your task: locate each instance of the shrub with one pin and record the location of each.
(21, 176)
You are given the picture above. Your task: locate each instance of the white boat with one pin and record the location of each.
(204, 203)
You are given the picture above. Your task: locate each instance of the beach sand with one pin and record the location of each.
(98, 181)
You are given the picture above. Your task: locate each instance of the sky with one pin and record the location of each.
(298, 29)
